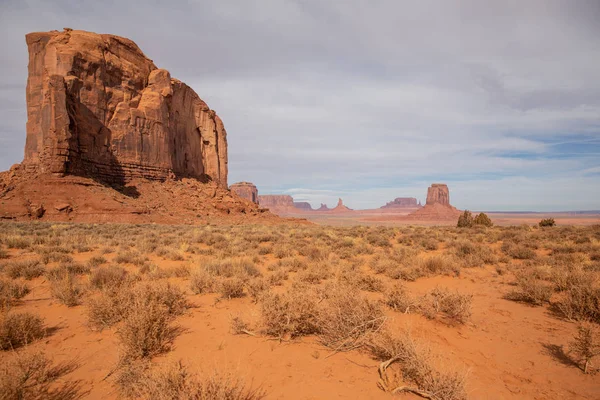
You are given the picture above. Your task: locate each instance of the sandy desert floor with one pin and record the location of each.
(296, 312)
(398, 218)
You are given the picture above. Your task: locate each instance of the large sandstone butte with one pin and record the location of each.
(276, 201)
(437, 206)
(98, 107)
(403, 202)
(245, 190)
(112, 138)
(438, 193)
(303, 205)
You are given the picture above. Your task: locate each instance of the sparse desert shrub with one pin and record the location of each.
(11, 290)
(174, 381)
(231, 288)
(27, 269)
(465, 220)
(548, 222)
(19, 329)
(430, 243)
(201, 281)
(438, 265)
(256, 287)
(293, 313)
(110, 277)
(315, 273)
(96, 261)
(15, 242)
(586, 344)
(483, 220)
(518, 252)
(129, 257)
(345, 318)
(229, 267)
(416, 364)
(163, 293)
(104, 310)
(33, 376)
(398, 298)
(146, 330)
(278, 277)
(66, 290)
(3, 254)
(581, 302)
(454, 305)
(530, 289)
(369, 283)
(113, 305)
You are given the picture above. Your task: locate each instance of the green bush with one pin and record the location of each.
(465, 220)
(483, 220)
(547, 222)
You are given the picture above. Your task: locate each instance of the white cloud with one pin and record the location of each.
(371, 100)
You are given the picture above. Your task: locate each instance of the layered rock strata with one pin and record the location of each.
(245, 190)
(98, 107)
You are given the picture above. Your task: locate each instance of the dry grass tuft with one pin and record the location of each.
(586, 344)
(27, 269)
(20, 329)
(345, 318)
(108, 278)
(453, 305)
(10, 291)
(146, 330)
(530, 289)
(66, 290)
(33, 376)
(415, 365)
(174, 381)
(293, 313)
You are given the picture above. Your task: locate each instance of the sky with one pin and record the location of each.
(366, 100)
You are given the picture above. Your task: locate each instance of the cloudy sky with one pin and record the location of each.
(366, 100)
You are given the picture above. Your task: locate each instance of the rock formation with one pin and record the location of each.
(340, 207)
(99, 111)
(402, 202)
(98, 107)
(303, 205)
(245, 190)
(438, 193)
(437, 206)
(276, 201)
(323, 208)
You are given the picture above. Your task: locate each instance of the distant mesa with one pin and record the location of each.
(245, 190)
(438, 193)
(303, 205)
(276, 202)
(341, 207)
(437, 206)
(403, 202)
(323, 208)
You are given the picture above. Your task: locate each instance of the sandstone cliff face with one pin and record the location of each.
(245, 190)
(303, 205)
(276, 201)
(323, 207)
(97, 106)
(438, 193)
(437, 207)
(402, 202)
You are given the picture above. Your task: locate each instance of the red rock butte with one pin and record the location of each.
(245, 190)
(437, 206)
(402, 202)
(113, 138)
(97, 106)
(277, 202)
